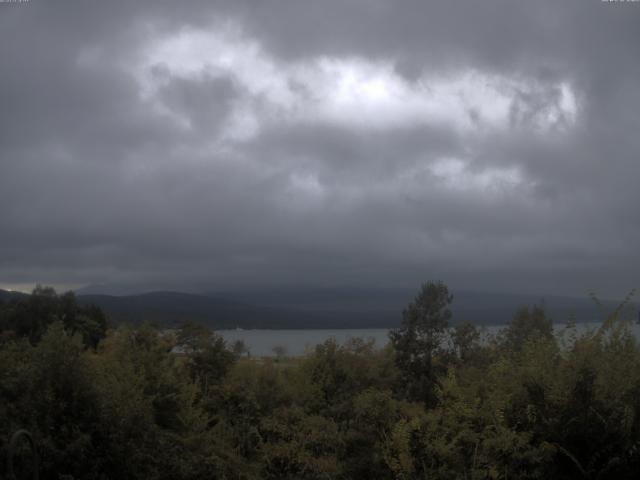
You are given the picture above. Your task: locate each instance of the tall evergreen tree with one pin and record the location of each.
(424, 323)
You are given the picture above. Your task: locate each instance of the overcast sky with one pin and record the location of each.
(216, 145)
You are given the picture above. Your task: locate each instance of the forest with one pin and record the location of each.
(440, 401)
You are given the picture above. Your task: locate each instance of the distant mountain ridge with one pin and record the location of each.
(171, 308)
(317, 309)
(10, 295)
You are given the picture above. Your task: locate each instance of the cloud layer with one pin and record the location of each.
(216, 146)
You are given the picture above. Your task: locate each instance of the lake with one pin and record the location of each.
(296, 342)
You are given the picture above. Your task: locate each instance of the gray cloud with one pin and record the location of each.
(214, 146)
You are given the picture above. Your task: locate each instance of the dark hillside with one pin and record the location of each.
(326, 308)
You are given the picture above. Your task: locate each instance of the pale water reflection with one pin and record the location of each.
(298, 342)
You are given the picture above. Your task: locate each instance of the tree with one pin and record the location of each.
(527, 323)
(87, 320)
(211, 362)
(298, 445)
(280, 351)
(209, 359)
(424, 323)
(465, 339)
(30, 317)
(239, 348)
(193, 335)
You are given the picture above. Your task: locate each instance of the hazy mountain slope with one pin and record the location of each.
(171, 308)
(8, 296)
(384, 306)
(325, 308)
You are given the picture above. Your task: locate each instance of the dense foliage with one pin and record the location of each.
(437, 402)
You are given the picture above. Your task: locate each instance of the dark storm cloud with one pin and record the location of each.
(197, 146)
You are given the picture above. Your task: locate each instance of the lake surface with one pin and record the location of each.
(297, 342)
